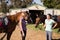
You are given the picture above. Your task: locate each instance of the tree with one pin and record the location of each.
(28, 1)
(14, 4)
(4, 7)
(20, 3)
(51, 3)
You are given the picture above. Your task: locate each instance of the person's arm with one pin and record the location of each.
(20, 25)
(55, 25)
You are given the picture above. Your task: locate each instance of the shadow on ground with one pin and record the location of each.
(56, 39)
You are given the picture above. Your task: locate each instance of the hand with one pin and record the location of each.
(53, 27)
(23, 34)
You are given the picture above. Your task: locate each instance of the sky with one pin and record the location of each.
(37, 1)
(9, 3)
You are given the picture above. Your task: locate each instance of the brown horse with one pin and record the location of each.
(37, 21)
(58, 21)
(13, 21)
(42, 20)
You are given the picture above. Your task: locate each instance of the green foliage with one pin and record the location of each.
(51, 3)
(4, 7)
(40, 27)
(14, 4)
(58, 6)
(32, 27)
(21, 4)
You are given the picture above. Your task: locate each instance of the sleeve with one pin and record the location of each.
(45, 20)
(53, 21)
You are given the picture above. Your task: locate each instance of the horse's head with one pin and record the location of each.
(15, 18)
(18, 16)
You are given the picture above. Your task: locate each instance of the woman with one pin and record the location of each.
(48, 27)
(22, 25)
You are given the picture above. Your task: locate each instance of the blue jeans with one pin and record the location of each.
(48, 35)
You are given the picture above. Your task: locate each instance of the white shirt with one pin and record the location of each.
(49, 23)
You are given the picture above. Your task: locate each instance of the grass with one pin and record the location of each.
(40, 27)
(32, 27)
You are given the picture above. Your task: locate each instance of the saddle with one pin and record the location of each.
(3, 21)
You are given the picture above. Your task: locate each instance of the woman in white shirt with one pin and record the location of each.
(48, 27)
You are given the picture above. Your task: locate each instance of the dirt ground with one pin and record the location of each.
(31, 35)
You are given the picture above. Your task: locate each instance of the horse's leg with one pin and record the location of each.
(59, 29)
(36, 25)
(3, 37)
(9, 35)
(5, 28)
(10, 31)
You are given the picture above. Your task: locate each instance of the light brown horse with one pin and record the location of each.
(40, 19)
(13, 21)
(37, 21)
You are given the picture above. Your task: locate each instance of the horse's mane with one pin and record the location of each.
(14, 17)
(18, 16)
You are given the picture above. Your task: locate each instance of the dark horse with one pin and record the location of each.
(43, 17)
(12, 22)
(40, 19)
